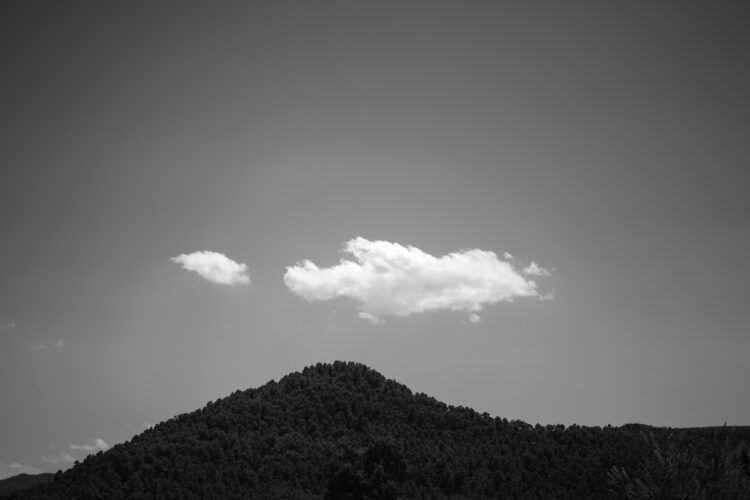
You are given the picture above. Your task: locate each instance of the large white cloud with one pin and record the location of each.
(215, 267)
(390, 279)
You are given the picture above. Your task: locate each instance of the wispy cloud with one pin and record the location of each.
(535, 269)
(7, 326)
(390, 279)
(370, 317)
(75, 452)
(59, 457)
(12, 469)
(96, 445)
(44, 345)
(215, 267)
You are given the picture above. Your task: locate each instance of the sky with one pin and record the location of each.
(538, 210)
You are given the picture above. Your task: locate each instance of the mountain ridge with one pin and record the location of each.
(343, 430)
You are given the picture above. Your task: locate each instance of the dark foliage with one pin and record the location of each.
(23, 481)
(342, 430)
(678, 468)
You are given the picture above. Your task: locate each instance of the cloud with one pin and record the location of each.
(8, 326)
(534, 269)
(475, 318)
(12, 469)
(76, 452)
(371, 318)
(97, 444)
(389, 279)
(215, 267)
(61, 457)
(57, 345)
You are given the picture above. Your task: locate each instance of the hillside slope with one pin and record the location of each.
(343, 430)
(23, 481)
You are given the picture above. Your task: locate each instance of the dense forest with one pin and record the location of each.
(23, 481)
(342, 430)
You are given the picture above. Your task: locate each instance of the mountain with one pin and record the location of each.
(342, 430)
(23, 481)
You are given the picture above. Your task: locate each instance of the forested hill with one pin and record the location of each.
(23, 481)
(342, 430)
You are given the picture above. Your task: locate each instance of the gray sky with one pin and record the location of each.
(607, 142)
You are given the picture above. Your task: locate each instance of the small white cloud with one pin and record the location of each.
(97, 444)
(215, 267)
(76, 452)
(371, 318)
(474, 318)
(534, 269)
(59, 344)
(39, 346)
(389, 279)
(12, 469)
(7, 326)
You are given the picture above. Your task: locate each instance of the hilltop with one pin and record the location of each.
(343, 430)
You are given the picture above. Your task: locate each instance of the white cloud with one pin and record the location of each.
(59, 344)
(76, 452)
(12, 469)
(370, 317)
(389, 279)
(534, 269)
(39, 346)
(475, 318)
(97, 444)
(215, 267)
(7, 326)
